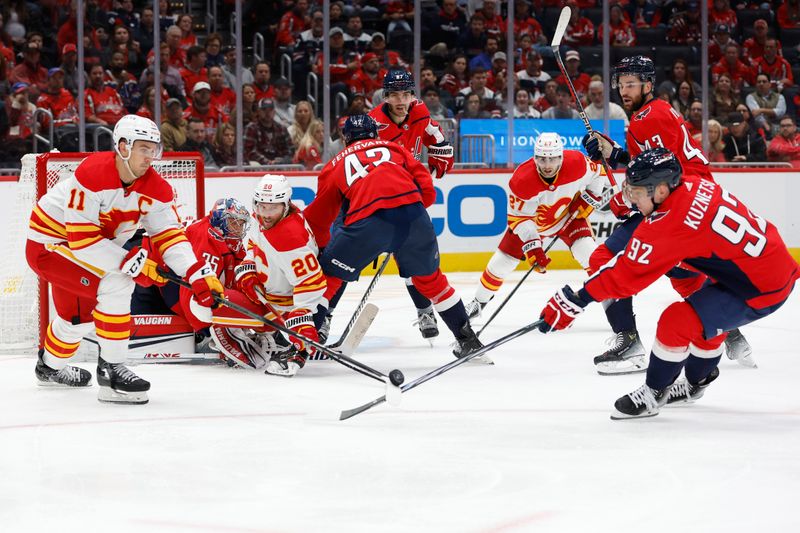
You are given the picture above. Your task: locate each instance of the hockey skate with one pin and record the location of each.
(119, 385)
(738, 349)
(67, 377)
(426, 321)
(241, 350)
(641, 403)
(287, 364)
(325, 329)
(475, 308)
(684, 392)
(626, 355)
(469, 343)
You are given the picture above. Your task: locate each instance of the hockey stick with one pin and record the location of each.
(363, 302)
(442, 369)
(394, 378)
(561, 27)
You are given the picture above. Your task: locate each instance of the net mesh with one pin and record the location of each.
(20, 306)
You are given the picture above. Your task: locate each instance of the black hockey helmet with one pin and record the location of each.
(640, 66)
(359, 127)
(398, 79)
(652, 167)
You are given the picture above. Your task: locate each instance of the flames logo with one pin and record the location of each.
(547, 216)
(111, 221)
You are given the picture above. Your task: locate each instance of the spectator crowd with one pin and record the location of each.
(754, 56)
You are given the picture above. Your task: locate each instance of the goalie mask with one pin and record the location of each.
(271, 200)
(548, 154)
(229, 221)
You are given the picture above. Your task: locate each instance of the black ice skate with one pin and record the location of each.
(426, 321)
(626, 356)
(738, 349)
(325, 329)
(67, 377)
(684, 392)
(468, 343)
(641, 403)
(120, 385)
(287, 364)
(475, 308)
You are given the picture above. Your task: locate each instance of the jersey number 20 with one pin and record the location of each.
(355, 168)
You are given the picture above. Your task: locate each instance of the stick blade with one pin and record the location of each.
(349, 413)
(359, 331)
(561, 27)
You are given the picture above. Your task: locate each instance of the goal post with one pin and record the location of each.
(24, 299)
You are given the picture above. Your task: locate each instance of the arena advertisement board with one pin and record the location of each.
(525, 133)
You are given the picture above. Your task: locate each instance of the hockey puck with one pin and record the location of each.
(396, 377)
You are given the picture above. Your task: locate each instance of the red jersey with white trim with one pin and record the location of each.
(286, 264)
(712, 231)
(367, 176)
(61, 105)
(105, 104)
(417, 130)
(658, 124)
(537, 208)
(94, 214)
(207, 246)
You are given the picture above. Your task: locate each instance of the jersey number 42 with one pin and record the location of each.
(357, 166)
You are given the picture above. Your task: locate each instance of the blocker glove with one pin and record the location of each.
(302, 321)
(535, 256)
(144, 271)
(598, 146)
(204, 283)
(440, 159)
(561, 310)
(247, 281)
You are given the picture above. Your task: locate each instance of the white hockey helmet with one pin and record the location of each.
(271, 189)
(132, 128)
(548, 144)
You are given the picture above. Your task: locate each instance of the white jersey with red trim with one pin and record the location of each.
(537, 208)
(286, 264)
(94, 214)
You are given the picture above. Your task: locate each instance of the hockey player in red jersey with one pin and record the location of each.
(546, 191)
(405, 120)
(283, 271)
(75, 242)
(653, 123)
(695, 221)
(385, 192)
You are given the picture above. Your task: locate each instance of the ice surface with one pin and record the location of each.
(525, 445)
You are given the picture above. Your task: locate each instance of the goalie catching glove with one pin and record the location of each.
(204, 283)
(535, 256)
(561, 310)
(440, 159)
(599, 146)
(144, 271)
(247, 281)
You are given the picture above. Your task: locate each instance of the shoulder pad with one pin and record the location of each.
(98, 172)
(289, 234)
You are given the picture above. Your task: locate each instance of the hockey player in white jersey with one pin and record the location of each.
(75, 239)
(281, 269)
(546, 190)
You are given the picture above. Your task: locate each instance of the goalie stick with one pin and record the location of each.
(392, 380)
(363, 302)
(349, 413)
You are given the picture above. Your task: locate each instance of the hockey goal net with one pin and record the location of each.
(24, 301)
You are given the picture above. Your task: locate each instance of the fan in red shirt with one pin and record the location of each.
(102, 103)
(721, 13)
(222, 97)
(292, 24)
(580, 80)
(383, 193)
(786, 145)
(777, 68)
(262, 73)
(788, 14)
(494, 25)
(57, 100)
(622, 32)
(753, 47)
(524, 24)
(202, 109)
(195, 70)
(730, 64)
(369, 78)
(580, 31)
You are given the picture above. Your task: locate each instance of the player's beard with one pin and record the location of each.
(637, 103)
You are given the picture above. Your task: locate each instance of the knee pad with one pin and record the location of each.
(582, 251)
(678, 328)
(501, 265)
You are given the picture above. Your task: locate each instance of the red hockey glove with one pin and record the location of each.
(301, 321)
(535, 256)
(204, 283)
(618, 206)
(440, 159)
(247, 281)
(144, 271)
(583, 204)
(561, 310)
